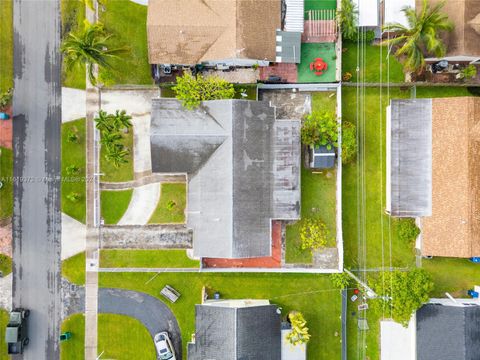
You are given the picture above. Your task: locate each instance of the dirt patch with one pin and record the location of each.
(6, 238)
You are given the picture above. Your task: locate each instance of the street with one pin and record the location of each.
(36, 142)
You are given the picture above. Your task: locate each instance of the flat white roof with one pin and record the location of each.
(367, 12)
(394, 13)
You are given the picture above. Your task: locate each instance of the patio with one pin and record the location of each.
(312, 51)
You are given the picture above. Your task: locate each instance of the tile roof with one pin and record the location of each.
(193, 31)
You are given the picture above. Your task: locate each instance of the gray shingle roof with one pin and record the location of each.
(409, 191)
(228, 333)
(448, 332)
(243, 168)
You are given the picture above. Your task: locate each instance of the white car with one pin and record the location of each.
(164, 346)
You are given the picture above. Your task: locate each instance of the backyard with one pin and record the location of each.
(311, 51)
(313, 295)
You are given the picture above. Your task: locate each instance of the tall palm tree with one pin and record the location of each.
(421, 34)
(347, 18)
(117, 155)
(90, 47)
(121, 120)
(104, 122)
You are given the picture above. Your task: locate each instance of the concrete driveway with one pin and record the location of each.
(142, 205)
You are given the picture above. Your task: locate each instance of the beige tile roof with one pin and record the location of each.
(192, 31)
(453, 230)
(465, 15)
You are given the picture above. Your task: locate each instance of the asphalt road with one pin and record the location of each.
(36, 137)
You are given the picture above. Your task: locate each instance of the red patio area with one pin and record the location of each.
(6, 131)
(274, 261)
(287, 72)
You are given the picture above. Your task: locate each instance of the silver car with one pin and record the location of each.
(164, 346)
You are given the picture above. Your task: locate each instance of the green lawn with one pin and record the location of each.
(5, 264)
(318, 201)
(120, 337)
(6, 45)
(74, 153)
(73, 14)
(324, 101)
(6, 191)
(373, 58)
(433, 92)
(310, 52)
(313, 295)
(73, 269)
(320, 4)
(125, 171)
(171, 206)
(127, 22)
(73, 349)
(146, 259)
(3, 325)
(249, 89)
(114, 204)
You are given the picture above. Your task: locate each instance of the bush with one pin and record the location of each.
(320, 128)
(469, 72)
(407, 230)
(72, 137)
(6, 98)
(171, 205)
(349, 142)
(367, 36)
(340, 280)
(74, 197)
(299, 334)
(314, 234)
(193, 90)
(72, 169)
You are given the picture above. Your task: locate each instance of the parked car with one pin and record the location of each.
(164, 346)
(16, 335)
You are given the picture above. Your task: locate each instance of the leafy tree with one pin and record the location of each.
(90, 47)
(347, 18)
(407, 230)
(403, 292)
(314, 234)
(193, 90)
(422, 34)
(72, 169)
(349, 142)
(320, 128)
(340, 280)
(299, 334)
(117, 155)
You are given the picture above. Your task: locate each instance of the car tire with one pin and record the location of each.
(26, 341)
(27, 313)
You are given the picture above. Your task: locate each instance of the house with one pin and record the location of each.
(463, 43)
(448, 331)
(453, 228)
(236, 329)
(189, 32)
(243, 171)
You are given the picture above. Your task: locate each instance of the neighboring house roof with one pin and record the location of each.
(236, 333)
(409, 158)
(453, 230)
(193, 31)
(243, 170)
(464, 40)
(288, 47)
(448, 332)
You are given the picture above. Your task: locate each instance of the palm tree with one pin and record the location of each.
(421, 34)
(110, 139)
(121, 120)
(89, 47)
(117, 155)
(347, 18)
(299, 333)
(104, 122)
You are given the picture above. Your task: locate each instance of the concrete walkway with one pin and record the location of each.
(142, 160)
(142, 205)
(73, 104)
(74, 235)
(144, 180)
(6, 292)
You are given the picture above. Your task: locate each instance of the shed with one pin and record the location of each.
(321, 157)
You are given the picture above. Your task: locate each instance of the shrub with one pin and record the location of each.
(299, 334)
(314, 234)
(74, 197)
(320, 128)
(6, 98)
(171, 205)
(72, 136)
(367, 36)
(72, 169)
(407, 230)
(340, 280)
(469, 72)
(193, 90)
(347, 76)
(349, 142)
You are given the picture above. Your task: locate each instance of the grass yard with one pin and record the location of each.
(6, 191)
(310, 52)
(120, 337)
(125, 171)
(6, 44)
(73, 14)
(434, 92)
(171, 206)
(3, 325)
(320, 5)
(318, 201)
(74, 153)
(5, 264)
(324, 101)
(373, 60)
(73, 269)
(127, 22)
(113, 205)
(146, 259)
(313, 295)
